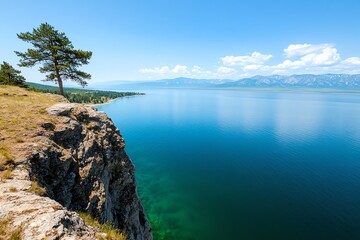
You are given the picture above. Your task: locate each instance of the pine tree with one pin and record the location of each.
(10, 76)
(57, 55)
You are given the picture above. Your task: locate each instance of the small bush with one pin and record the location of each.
(13, 189)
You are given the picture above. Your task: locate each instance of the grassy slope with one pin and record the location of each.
(22, 113)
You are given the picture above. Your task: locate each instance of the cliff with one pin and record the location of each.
(78, 156)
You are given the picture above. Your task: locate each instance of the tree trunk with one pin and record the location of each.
(59, 80)
(9, 79)
(61, 89)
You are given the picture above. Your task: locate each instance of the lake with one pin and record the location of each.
(234, 164)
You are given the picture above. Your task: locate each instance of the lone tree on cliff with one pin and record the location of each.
(10, 76)
(55, 52)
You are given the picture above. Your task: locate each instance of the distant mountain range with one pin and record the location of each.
(305, 80)
(335, 81)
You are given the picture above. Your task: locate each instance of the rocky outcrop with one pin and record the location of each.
(81, 162)
(39, 217)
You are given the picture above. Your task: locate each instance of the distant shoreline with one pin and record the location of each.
(114, 99)
(85, 96)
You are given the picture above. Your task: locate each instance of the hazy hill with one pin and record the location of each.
(163, 83)
(336, 81)
(305, 80)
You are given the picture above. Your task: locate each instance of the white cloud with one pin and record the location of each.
(196, 69)
(297, 59)
(253, 67)
(307, 58)
(288, 64)
(303, 49)
(157, 70)
(309, 55)
(225, 70)
(254, 58)
(327, 56)
(352, 61)
(180, 69)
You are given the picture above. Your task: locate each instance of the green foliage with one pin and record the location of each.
(55, 52)
(82, 95)
(10, 76)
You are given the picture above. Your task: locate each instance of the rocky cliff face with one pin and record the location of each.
(38, 217)
(81, 162)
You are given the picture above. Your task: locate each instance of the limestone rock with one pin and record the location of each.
(39, 217)
(81, 162)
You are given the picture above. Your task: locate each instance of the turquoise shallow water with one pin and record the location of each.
(218, 164)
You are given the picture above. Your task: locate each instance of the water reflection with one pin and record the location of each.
(291, 116)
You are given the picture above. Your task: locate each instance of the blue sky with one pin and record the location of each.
(140, 40)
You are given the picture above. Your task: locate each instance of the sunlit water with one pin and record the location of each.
(217, 164)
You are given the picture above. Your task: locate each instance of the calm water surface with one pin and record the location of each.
(223, 164)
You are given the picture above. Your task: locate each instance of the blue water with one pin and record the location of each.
(230, 164)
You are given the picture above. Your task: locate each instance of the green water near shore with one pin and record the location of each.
(226, 164)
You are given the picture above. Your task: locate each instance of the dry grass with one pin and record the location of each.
(6, 174)
(6, 159)
(22, 113)
(16, 234)
(7, 233)
(35, 188)
(20, 140)
(3, 227)
(111, 232)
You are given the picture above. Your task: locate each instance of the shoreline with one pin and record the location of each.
(112, 100)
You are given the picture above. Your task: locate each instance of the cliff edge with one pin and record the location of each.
(78, 157)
